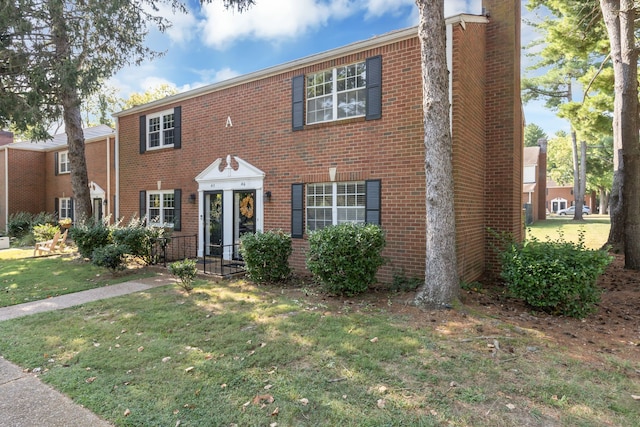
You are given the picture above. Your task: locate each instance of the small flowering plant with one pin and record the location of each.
(65, 222)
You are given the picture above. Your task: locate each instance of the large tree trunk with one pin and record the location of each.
(629, 130)
(610, 10)
(70, 100)
(441, 285)
(578, 196)
(619, 17)
(77, 160)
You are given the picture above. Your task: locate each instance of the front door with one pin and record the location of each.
(97, 209)
(213, 231)
(244, 214)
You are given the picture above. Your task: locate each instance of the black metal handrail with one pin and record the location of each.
(174, 248)
(224, 257)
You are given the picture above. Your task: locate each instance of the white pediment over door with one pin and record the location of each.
(221, 175)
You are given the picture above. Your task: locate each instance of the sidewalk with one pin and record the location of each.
(27, 402)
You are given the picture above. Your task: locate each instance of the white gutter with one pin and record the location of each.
(116, 160)
(6, 186)
(371, 43)
(108, 201)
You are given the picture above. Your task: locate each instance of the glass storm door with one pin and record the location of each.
(97, 209)
(213, 231)
(244, 214)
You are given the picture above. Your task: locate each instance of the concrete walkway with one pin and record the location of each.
(27, 402)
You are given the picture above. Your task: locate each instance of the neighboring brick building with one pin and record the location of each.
(34, 177)
(534, 187)
(337, 136)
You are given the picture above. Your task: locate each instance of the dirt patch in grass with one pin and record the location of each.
(486, 310)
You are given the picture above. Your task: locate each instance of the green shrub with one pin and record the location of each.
(185, 271)
(345, 258)
(138, 238)
(266, 255)
(19, 224)
(90, 235)
(44, 232)
(110, 256)
(556, 276)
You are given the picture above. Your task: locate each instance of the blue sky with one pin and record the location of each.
(212, 44)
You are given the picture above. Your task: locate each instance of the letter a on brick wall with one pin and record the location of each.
(229, 124)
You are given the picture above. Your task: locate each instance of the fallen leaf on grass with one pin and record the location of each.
(141, 348)
(268, 386)
(165, 359)
(511, 406)
(262, 398)
(275, 412)
(381, 403)
(635, 397)
(374, 339)
(189, 369)
(127, 412)
(90, 380)
(304, 401)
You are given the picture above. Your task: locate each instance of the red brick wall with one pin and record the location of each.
(97, 161)
(390, 149)
(504, 124)
(26, 181)
(468, 134)
(3, 193)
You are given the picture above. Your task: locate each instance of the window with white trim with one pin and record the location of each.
(65, 208)
(63, 162)
(335, 203)
(161, 208)
(160, 130)
(339, 93)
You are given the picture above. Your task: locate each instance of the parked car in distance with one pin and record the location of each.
(571, 210)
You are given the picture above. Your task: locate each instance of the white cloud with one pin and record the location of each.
(269, 20)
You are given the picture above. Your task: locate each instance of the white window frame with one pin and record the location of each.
(65, 208)
(342, 204)
(324, 85)
(163, 125)
(159, 220)
(63, 162)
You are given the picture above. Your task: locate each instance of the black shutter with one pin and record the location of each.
(143, 205)
(177, 127)
(297, 210)
(143, 134)
(56, 207)
(374, 87)
(56, 165)
(297, 98)
(373, 202)
(71, 209)
(177, 210)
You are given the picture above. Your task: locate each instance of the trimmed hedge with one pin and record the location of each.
(345, 258)
(266, 256)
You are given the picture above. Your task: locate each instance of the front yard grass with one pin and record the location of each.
(595, 228)
(232, 353)
(24, 279)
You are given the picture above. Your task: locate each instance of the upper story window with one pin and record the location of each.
(335, 203)
(335, 94)
(63, 162)
(343, 92)
(161, 130)
(161, 208)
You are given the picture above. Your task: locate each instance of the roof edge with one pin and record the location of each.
(373, 42)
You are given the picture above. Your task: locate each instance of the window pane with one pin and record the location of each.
(154, 139)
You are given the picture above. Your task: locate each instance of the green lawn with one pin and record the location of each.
(232, 353)
(24, 278)
(594, 227)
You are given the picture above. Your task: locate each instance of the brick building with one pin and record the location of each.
(534, 187)
(35, 177)
(334, 137)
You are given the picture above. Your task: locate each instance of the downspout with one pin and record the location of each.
(6, 187)
(108, 200)
(116, 160)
